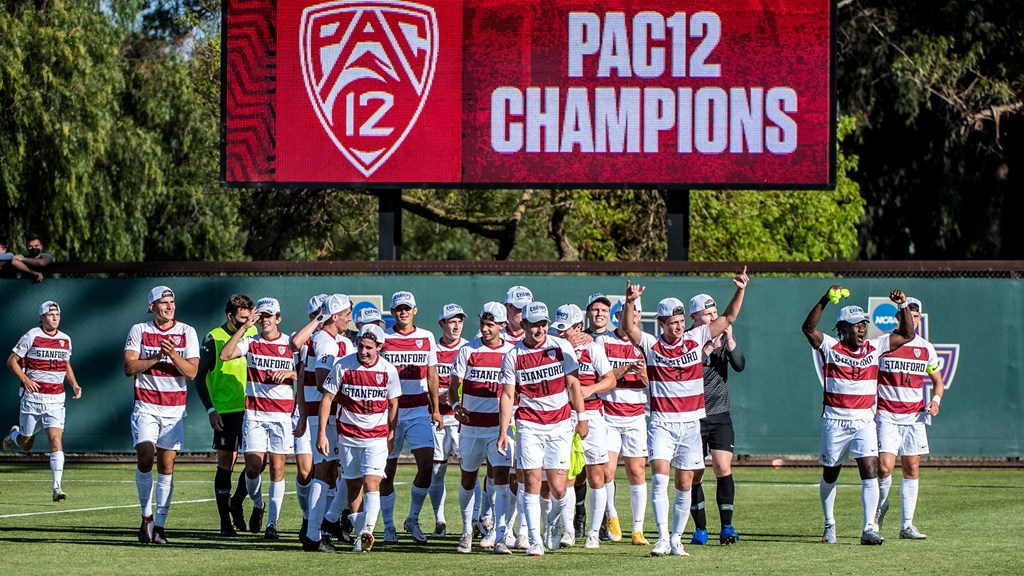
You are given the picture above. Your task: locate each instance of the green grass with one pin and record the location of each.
(974, 520)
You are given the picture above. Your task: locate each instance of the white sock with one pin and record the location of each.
(545, 512)
(387, 508)
(302, 495)
(466, 500)
(419, 496)
(521, 508)
(884, 484)
(57, 467)
(598, 500)
(869, 498)
(371, 509)
(332, 493)
(164, 491)
(681, 512)
(502, 504)
(340, 502)
(144, 485)
(531, 507)
(341, 490)
(659, 503)
(568, 508)
(255, 488)
(827, 493)
(437, 490)
(14, 437)
(317, 506)
(276, 500)
(477, 499)
(486, 499)
(638, 505)
(908, 492)
(609, 507)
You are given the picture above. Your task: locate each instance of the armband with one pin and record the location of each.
(929, 370)
(583, 416)
(211, 411)
(937, 399)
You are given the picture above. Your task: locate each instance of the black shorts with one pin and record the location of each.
(231, 438)
(716, 433)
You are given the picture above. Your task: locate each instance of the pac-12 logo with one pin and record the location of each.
(368, 66)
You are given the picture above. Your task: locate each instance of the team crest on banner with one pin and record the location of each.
(368, 67)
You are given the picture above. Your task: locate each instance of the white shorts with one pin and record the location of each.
(365, 460)
(628, 440)
(843, 438)
(261, 436)
(595, 445)
(36, 416)
(166, 433)
(678, 442)
(475, 450)
(544, 450)
(305, 444)
(902, 439)
(446, 441)
(419, 433)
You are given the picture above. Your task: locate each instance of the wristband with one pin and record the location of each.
(937, 399)
(456, 406)
(902, 306)
(211, 411)
(582, 416)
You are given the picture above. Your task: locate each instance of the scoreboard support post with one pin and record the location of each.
(389, 224)
(677, 204)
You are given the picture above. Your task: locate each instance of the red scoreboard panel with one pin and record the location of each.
(538, 93)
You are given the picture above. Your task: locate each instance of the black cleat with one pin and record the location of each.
(237, 516)
(302, 530)
(604, 535)
(335, 529)
(228, 531)
(158, 535)
(346, 526)
(146, 530)
(271, 533)
(324, 545)
(256, 519)
(579, 521)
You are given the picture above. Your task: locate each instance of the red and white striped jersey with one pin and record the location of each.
(676, 375)
(478, 366)
(901, 380)
(411, 354)
(325, 350)
(851, 377)
(445, 358)
(628, 399)
(362, 393)
(539, 376)
(511, 338)
(265, 400)
(44, 358)
(161, 390)
(593, 365)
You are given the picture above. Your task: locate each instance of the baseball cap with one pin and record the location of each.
(268, 306)
(403, 299)
(536, 312)
(367, 315)
(701, 302)
(449, 311)
(567, 316)
(334, 304)
(315, 303)
(518, 296)
(158, 293)
(371, 331)
(636, 305)
(911, 300)
(670, 307)
(495, 309)
(598, 297)
(44, 308)
(852, 315)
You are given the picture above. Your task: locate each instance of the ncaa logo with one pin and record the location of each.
(884, 317)
(368, 67)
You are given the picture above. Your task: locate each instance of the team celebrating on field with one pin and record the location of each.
(546, 404)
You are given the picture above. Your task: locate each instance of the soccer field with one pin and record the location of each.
(974, 520)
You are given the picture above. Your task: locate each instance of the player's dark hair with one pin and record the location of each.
(914, 307)
(32, 236)
(487, 317)
(238, 302)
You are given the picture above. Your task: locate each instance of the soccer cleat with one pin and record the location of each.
(413, 527)
(158, 535)
(579, 521)
(880, 516)
(228, 531)
(676, 547)
(237, 517)
(346, 525)
(568, 539)
(614, 530)
(488, 540)
(271, 533)
(700, 537)
(146, 530)
(256, 519)
(390, 535)
(59, 495)
(8, 441)
(522, 542)
(302, 530)
(334, 529)
(501, 549)
(365, 541)
(912, 533)
(465, 543)
(829, 535)
(728, 535)
(440, 530)
(639, 540)
(593, 541)
(550, 537)
(535, 549)
(476, 529)
(661, 547)
(510, 540)
(324, 545)
(871, 538)
(485, 525)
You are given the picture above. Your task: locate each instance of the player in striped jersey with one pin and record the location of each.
(269, 401)
(162, 355)
(367, 389)
(850, 366)
(41, 360)
(677, 403)
(516, 298)
(902, 413)
(446, 440)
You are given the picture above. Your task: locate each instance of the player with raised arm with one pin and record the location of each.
(850, 366)
(162, 355)
(41, 361)
(446, 440)
(677, 403)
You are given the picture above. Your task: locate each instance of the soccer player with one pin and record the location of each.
(446, 440)
(476, 371)
(221, 388)
(624, 408)
(902, 413)
(850, 366)
(413, 352)
(595, 374)
(163, 355)
(598, 311)
(367, 389)
(543, 371)
(716, 433)
(368, 315)
(269, 402)
(516, 298)
(41, 360)
(677, 403)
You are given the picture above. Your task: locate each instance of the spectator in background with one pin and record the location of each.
(31, 261)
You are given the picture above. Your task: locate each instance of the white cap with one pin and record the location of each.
(367, 315)
(267, 306)
(518, 296)
(449, 311)
(852, 315)
(701, 302)
(403, 299)
(536, 312)
(636, 305)
(496, 310)
(670, 307)
(911, 300)
(567, 316)
(44, 308)
(315, 303)
(335, 304)
(598, 297)
(158, 293)
(371, 331)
